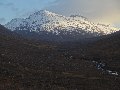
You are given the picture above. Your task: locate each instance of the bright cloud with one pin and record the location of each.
(107, 11)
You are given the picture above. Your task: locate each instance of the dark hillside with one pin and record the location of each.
(30, 65)
(106, 49)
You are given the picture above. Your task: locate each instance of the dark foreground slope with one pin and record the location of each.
(107, 50)
(29, 65)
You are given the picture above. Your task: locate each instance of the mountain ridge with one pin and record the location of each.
(45, 22)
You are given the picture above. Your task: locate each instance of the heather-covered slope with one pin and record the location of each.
(106, 49)
(29, 65)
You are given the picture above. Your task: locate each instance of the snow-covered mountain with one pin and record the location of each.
(59, 25)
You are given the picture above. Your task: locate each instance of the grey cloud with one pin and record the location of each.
(87, 8)
(83, 6)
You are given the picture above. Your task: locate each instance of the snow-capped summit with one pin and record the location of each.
(56, 24)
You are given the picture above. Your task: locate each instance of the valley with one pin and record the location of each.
(39, 65)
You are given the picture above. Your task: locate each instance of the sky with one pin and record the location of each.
(104, 11)
(10, 9)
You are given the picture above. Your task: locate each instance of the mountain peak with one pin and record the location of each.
(44, 12)
(47, 21)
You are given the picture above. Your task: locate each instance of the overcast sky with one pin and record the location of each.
(107, 11)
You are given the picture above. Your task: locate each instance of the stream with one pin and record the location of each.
(101, 66)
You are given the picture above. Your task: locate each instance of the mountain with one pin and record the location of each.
(50, 26)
